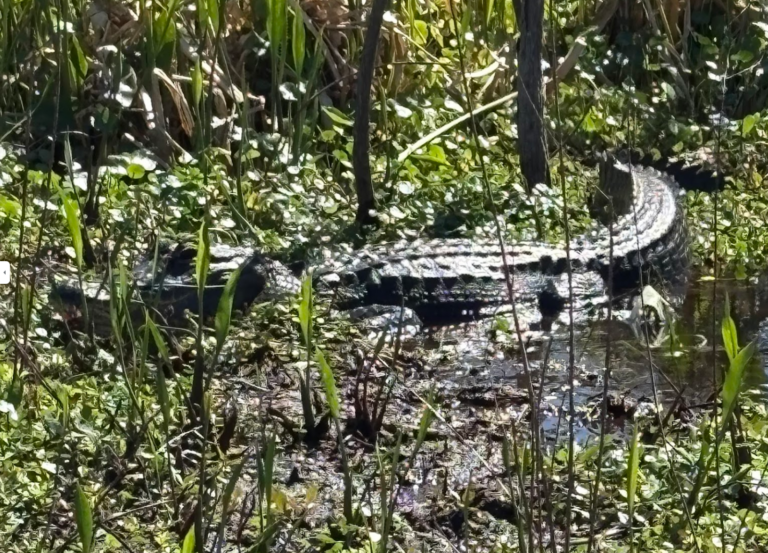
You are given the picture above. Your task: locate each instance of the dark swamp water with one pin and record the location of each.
(485, 371)
(480, 393)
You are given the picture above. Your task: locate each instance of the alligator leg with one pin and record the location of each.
(378, 317)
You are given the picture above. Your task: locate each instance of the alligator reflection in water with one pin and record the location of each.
(467, 358)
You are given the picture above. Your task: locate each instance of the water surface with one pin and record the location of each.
(685, 364)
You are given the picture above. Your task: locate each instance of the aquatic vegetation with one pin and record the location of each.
(126, 127)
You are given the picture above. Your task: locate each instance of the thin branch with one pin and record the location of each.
(602, 17)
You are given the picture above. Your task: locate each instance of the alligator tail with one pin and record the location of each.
(693, 177)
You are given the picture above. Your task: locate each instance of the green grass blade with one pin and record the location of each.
(268, 475)
(123, 282)
(383, 491)
(224, 310)
(203, 259)
(63, 396)
(305, 310)
(298, 41)
(732, 384)
(389, 506)
(329, 384)
(305, 391)
(730, 337)
(71, 212)
(489, 5)
(162, 385)
(26, 303)
(202, 14)
(276, 18)
(163, 398)
(633, 464)
(115, 309)
(68, 159)
(78, 64)
(197, 83)
(264, 539)
(227, 498)
(164, 36)
(427, 416)
(213, 15)
(189, 541)
(162, 348)
(83, 518)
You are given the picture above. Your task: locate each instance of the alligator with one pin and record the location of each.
(445, 279)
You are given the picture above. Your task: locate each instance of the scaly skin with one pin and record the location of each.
(436, 276)
(445, 277)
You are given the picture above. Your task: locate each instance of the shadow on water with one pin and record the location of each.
(476, 358)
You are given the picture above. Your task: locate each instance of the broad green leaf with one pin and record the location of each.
(189, 541)
(749, 122)
(437, 152)
(733, 380)
(305, 310)
(83, 518)
(669, 90)
(730, 337)
(420, 32)
(431, 158)
(589, 123)
(135, 171)
(744, 56)
(224, 310)
(203, 258)
(9, 207)
(337, 116)
(329, 384)
(298, 41)
(326, 136)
